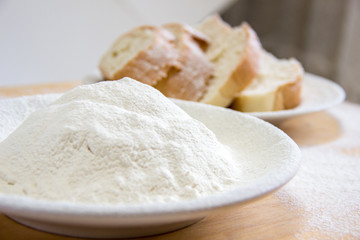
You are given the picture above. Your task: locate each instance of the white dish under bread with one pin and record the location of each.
(318, 94)
(269, 160)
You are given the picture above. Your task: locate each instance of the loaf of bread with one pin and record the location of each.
(235, 54)
(190, 81)
(145, 53)
(211, 63)
(277, 86)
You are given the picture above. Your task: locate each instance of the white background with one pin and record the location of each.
(63, 40)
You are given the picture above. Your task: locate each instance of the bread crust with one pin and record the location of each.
(223, 29)
(191, 81)
(290, 94)
(247, 69)
(182, 62)
(201, 39)
(151, 64)
(242, 75)
(284, 97)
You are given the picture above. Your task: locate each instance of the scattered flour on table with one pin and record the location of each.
(114, 142)
(327, 186)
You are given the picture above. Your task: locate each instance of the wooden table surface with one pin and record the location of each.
(268, 218)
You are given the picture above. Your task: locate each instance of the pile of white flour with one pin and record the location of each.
(114, 142)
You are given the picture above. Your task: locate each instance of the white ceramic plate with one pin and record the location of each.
(269, 159)
(318, 94)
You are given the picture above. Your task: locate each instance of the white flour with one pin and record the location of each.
(327, 186)
(114, 142)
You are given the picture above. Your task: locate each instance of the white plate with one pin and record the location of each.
(318, 94)
(269, 159)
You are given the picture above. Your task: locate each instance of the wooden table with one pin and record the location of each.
(268, 218)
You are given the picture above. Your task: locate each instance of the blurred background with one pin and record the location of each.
(51, 41)
(324, 35)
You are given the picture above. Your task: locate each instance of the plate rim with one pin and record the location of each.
(274, 116)
(308, 77)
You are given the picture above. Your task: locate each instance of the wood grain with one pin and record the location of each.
(27, 90)
(266, 217)
(312, 129)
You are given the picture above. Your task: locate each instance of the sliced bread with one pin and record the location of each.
(276, 87)
(145, 53)
(191, 80)
(235, 53)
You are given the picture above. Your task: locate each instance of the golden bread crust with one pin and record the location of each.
(149, 65)
(191, 80)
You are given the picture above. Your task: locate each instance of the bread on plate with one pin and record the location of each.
(190, 80)
(145, 53)
(277, 86)
(235, 53)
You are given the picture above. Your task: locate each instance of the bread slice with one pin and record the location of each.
(191, 82)
(276, 87)
(145, 53)
(235, 53)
